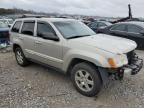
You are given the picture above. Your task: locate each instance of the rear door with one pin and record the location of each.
(134, 33)
(27, 36)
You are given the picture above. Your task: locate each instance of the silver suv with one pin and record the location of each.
(73, 48)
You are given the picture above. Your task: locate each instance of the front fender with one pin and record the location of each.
(94, 58)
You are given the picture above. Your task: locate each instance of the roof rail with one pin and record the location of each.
(32, 16)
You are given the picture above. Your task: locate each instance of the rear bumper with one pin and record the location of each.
(134, 67)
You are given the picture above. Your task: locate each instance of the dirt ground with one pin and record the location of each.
(36, 86)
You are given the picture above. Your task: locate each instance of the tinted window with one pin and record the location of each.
(134, 29)
(119, 28)
(28, 28)
(93, 25)
(101, 25)
(43, 28)
(16, 26)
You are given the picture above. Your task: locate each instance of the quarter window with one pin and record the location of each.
(134, 29)
(16, 27)
(28, 28)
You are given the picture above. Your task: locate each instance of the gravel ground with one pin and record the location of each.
(36, 86)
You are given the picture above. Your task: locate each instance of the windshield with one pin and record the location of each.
(70, 29)
(4, 21)
(3, 25)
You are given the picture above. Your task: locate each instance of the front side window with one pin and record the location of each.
(28, 28)
(119, 28)
(44, 28)
(72, 29)
(134, 29)
(16, 26)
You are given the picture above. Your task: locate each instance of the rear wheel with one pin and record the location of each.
(86, 79)
(20, 58)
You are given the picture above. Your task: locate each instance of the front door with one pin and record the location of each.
(48, 51)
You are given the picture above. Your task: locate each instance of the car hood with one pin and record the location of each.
(4, 29)
(108, 43)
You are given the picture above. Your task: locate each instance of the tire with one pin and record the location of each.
(20, 58)
(86, 79)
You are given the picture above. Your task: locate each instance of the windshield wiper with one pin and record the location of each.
(78, 36)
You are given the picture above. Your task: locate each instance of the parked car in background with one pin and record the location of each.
(98, 24)
(130, 30)
(73, 48)
(7, 21)
(4, 33)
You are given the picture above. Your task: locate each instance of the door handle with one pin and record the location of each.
(38, 42)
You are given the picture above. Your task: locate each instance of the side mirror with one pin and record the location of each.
(142, 32)
(49, 36)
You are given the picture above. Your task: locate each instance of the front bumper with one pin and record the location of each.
(134, 67)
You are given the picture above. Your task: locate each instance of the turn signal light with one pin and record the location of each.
(112, 63)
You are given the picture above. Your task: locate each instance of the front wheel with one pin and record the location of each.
(86, 79)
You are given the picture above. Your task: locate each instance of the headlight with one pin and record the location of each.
(118, 61)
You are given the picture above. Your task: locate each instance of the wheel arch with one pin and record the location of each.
(75, 61)
(15, 46)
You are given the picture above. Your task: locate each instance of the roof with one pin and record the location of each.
(134, 22)
(47, 19)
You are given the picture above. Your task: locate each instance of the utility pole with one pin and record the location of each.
(130, 11)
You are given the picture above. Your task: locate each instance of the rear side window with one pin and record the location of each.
(119, 28)
(28, 28)
(134, 29)
(16, 26)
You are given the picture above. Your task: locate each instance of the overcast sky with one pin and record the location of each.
(87, 7)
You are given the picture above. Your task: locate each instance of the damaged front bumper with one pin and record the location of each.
(133, 68)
